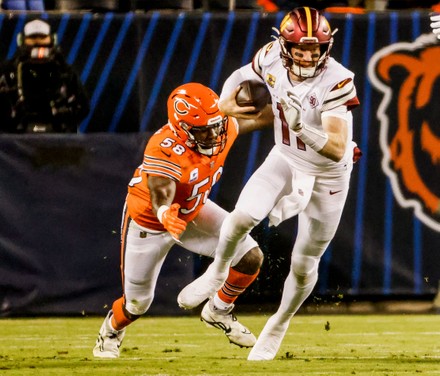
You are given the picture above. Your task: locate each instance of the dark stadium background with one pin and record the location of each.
(61, 196)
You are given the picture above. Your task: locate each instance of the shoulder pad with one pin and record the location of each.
(342, 94)
(257, 61)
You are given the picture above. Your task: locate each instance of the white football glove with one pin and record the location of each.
(292, 111)
(435, 24)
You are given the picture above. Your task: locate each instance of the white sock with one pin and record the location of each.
(220, 304)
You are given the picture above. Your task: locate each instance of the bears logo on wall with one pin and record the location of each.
(408, 75)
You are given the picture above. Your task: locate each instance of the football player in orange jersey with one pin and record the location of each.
(168, 202)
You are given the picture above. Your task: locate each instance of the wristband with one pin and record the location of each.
(162, 209)
(312, 137)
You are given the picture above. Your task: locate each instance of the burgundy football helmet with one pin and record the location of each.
(305, 26)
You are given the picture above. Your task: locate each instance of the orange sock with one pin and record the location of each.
(235, 285)
(119, 319)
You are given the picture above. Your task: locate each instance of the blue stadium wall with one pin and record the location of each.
(61, 196)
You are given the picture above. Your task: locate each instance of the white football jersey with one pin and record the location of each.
(331, 93)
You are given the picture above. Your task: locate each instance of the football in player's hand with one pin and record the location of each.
(253, 93)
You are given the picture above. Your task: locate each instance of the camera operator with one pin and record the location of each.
(39, 91)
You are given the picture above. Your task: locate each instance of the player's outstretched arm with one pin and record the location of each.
(162, 192)
(262, 121)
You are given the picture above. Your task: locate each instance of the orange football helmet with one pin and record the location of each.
(305, 26)
(194, 115)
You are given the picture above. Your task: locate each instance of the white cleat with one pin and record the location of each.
(225, 320)
(266, 348)
(269, 340)
(109, 340)
(202, 288)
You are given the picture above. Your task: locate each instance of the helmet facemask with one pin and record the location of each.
(301, 27)
(294, 65)
(209, 139)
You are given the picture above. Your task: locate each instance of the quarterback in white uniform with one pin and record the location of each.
(308, 170)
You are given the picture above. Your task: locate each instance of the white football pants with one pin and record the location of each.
(145, 252)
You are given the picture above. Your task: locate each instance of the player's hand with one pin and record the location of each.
(357, 154)
(292, 109)
(168, 216)
(435, 24)
(229, 106)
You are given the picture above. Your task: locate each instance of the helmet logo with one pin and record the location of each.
(182, 107)
(409, 131)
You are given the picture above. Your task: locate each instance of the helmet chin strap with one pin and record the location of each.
(308, 72)
(302, 71)
(191, 142)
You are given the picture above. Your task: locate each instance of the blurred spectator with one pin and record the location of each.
(37, 5)
(39, 91)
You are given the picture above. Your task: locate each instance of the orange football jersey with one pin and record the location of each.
(168, 156)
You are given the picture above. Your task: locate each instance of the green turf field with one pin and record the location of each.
(314, 345)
